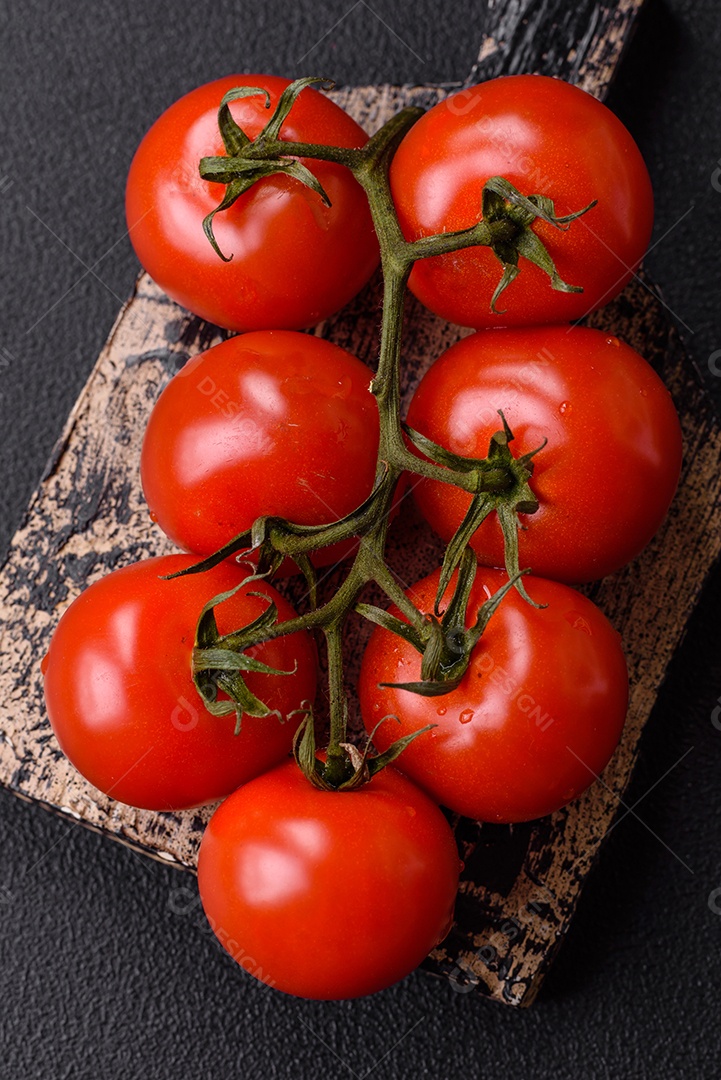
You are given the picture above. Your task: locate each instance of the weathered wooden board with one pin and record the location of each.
(520, 886)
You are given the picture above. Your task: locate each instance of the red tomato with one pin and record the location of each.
(547, 138)
(121, 698)
(294, 260)
(328, 894)
(274, 422)
(535, 718)
(607, 475)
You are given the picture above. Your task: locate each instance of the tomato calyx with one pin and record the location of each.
(501, 484)
(509, 216)
(246, 161)
(344, 767)
(444, 641)
(219, 661)
(505, 227)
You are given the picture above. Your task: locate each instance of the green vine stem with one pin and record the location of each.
(498, 482)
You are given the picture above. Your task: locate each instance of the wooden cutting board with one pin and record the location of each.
(521, 885)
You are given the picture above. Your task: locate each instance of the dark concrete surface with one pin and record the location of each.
(106, 968)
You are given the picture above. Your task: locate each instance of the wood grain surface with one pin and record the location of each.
(521, 885)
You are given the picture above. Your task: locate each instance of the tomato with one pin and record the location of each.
(273, 422)
(121, 698)
(535, 718)
(294, 260)
(545, 137)
(327, 894)
(607, 475)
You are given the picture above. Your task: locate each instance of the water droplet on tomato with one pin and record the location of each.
(345, 385)
(153, 516)
(466, 716)
(442, 711)
(613, 341)
(564, 408)
(376, 706)
(44, 663)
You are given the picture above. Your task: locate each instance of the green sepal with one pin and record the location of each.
(455, 612)
(498, 192)
(234, 138)
(479, 509)
(509, 494)
(218, 660)
(206, 633)
(547, 211)
(232, 193)
(439, 454)
(224, 660)
(487, 609)
(258, 628)
(448, 643)
(313, 768)
(389, 622)
(503, 204)
(240, 172)
(533, 249)
(304, 748)
(242, 699)
(239, 543)
(371, 764)
(426, 687)
(503, 487)
(287, 100)
(359, 767)
(250, 173)
(510, 273)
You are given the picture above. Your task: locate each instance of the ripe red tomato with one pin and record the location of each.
(545, 137)
(121, 698)
(273, 422)
(607, 475)
(294, 260)
(324, 894)
(535, 718)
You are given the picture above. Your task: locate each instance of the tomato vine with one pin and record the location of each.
(497, 483)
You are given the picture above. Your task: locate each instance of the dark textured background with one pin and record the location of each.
(106, 969)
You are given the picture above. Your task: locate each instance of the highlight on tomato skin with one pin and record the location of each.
(325, 894)
(120, 694)
(294, 260)
(536, 717)
(546, 138)
(611, 462)
(267, 423)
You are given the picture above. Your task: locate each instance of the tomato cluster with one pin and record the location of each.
(170, 689)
